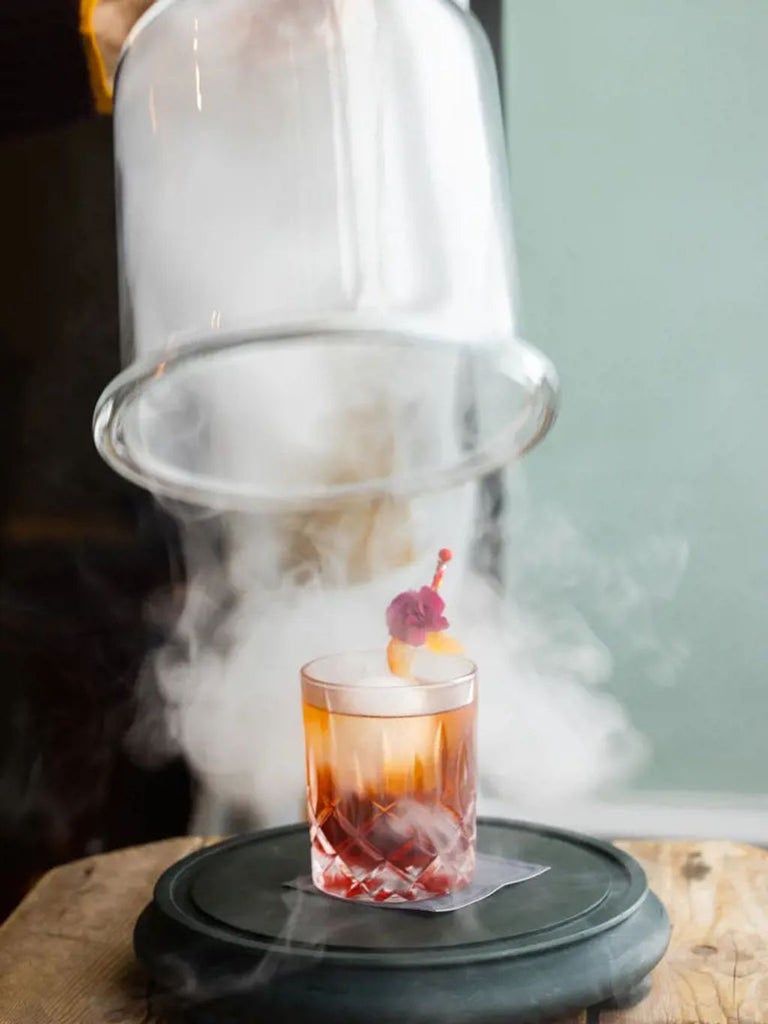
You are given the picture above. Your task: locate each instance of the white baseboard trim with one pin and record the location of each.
(662, 814)
(670, 815)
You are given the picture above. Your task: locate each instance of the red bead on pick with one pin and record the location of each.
(444, 555)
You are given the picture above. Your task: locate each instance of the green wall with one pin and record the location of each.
(639, 153)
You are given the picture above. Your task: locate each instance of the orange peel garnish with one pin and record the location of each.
(400, 658)
(439, 643)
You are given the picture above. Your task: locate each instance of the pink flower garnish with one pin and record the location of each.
(414, 613)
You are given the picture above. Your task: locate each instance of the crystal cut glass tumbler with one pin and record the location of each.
(391, 776)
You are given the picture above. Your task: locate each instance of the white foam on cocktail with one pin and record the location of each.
(378, 681)
(390, 696)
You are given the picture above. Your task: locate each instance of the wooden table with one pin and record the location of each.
(65, 954)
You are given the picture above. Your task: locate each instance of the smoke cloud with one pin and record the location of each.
(267, 593)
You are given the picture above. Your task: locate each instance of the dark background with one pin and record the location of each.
(81, 551)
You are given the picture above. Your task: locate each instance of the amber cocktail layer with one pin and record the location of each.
(391, 798)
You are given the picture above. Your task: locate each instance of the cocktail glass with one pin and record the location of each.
(391, 775)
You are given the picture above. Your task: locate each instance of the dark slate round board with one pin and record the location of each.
(228, 941)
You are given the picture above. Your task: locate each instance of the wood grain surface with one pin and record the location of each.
(716, 969)
(66, 957)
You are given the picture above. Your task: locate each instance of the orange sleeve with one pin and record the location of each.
(104, 27)
(99, 77)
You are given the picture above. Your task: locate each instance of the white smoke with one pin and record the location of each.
(265, 594)
(321, 190)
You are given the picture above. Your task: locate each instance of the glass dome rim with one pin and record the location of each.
(113, 406)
